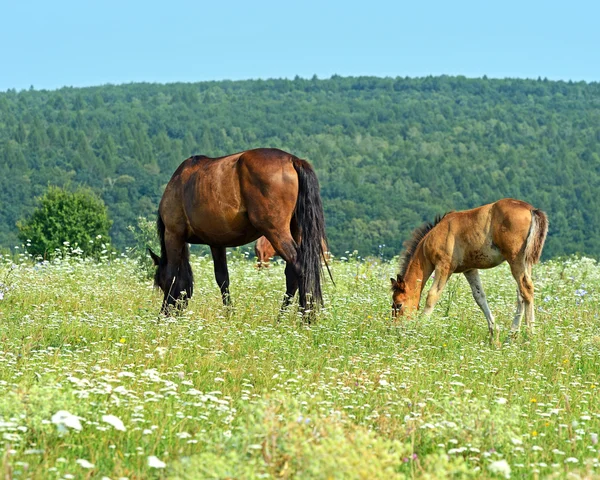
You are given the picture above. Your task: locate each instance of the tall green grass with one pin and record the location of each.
(237, 393)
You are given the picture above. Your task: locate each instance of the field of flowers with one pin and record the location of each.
(94, 385)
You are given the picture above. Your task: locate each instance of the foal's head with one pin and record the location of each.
(403, 302)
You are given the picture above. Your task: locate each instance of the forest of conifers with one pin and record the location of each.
(389, 152)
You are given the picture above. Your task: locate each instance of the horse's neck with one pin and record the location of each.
(418, 272)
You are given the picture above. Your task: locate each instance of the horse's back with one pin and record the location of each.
(218, 201)
(481, 237)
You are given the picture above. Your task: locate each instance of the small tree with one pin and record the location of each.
(78, 217)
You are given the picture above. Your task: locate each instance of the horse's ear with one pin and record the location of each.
(155, 257)
(398, 284)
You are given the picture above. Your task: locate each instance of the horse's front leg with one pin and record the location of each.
(219, 255)
(435, 292)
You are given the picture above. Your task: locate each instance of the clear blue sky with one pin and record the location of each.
(50, 44)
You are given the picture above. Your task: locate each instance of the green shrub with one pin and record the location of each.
(78, 219)
(145, 237)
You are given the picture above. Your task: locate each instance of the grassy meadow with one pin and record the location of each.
(94, 385)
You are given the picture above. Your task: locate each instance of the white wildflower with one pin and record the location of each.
(154, 462)
(63, 419)
(500, 467)
(161, 351)
(114, 421)
(84, 463)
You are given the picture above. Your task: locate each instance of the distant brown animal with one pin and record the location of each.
(233, 200)
(264, 252)
(463, 242)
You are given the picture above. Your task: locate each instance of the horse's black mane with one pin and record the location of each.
(410, 246)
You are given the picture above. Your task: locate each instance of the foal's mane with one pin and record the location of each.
(410, 245)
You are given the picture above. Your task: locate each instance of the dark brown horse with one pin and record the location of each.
(464, 242)
(264, 251)
(233, 200)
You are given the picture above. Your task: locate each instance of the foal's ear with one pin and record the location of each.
(155, 257)
(398, 284)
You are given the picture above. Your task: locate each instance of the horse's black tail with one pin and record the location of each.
(311, 220)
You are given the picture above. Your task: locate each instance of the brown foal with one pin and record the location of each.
(264, 251)
(463, 242)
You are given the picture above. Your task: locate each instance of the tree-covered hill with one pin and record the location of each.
(389, 152)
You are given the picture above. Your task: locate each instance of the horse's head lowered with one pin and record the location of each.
(402, 300)
(160, 278)
(175, 283)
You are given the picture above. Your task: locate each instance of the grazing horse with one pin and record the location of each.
(264, 252)
(233, 200)
(463, 242)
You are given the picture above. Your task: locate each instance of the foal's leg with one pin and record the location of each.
(522, 275)
(518, 314)
(219, 255)
(433, 296)
(529, 305)
(474, 280)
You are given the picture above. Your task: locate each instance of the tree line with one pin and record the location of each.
(390, 153)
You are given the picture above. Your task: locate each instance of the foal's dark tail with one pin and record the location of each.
(537, 236)
(311, 220)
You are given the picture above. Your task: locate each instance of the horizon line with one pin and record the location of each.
(297, 78)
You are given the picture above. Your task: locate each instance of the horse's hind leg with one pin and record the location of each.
(527, 283)
(518, 314)
(219, 255)
(291, 285)
(522, 275)
(474, 280)
(285, 245)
